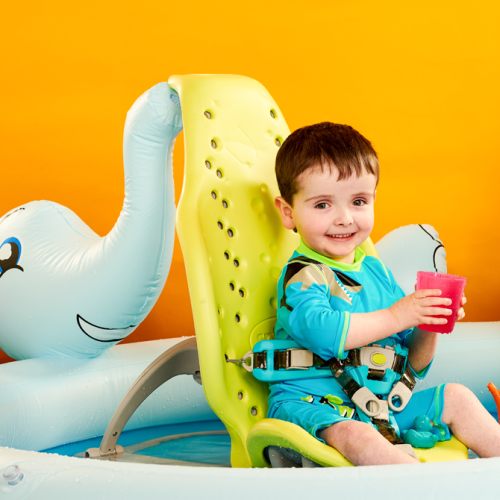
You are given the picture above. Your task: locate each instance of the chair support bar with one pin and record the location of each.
(181, 359)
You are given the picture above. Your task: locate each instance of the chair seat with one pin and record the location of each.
(273, 432)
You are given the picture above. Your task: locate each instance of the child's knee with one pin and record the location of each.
(457, 400)
(349, 435)
(458, 393)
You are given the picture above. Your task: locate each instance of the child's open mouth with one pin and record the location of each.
(343, 237)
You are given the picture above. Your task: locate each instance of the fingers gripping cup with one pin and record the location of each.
(452, 287)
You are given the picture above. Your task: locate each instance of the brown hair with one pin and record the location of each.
(323, 145)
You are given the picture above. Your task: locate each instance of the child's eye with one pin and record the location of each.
(359, 203)
(322, 205)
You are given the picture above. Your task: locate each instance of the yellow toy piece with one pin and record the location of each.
(234, 248)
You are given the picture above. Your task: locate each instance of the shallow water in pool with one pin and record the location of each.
(214, 450)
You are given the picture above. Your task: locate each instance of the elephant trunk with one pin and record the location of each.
(141, 242)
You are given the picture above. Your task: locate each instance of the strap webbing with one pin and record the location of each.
(346, 382)
(350, 387)
(387, 430)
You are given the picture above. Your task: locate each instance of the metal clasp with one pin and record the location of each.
(248, 366)
(300, 359)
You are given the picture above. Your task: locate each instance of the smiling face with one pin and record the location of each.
(53, 294)
(333, 217)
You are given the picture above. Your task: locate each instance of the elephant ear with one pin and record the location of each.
(410, 249)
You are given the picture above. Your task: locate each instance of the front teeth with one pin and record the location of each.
(341, 235)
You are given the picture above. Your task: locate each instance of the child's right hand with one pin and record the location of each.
(419, 308)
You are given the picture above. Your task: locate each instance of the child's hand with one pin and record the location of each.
(419, 308)
(461, 312)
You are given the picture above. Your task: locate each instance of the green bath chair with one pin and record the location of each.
(234, 248)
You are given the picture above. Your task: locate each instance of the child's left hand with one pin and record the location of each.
(461, 312)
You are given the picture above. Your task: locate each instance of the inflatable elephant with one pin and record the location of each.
(66, 291)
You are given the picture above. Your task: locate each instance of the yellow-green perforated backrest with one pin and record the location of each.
(232, 239)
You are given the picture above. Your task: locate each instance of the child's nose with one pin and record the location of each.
(343, 218)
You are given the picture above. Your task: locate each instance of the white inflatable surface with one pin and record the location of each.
(71, 400)
(47, 402)
(50, 477)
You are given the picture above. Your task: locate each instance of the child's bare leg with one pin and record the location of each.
(470, 422)
(362, 444)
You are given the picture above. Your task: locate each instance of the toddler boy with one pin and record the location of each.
(333, 300)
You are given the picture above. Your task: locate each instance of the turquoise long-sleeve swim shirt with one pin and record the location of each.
(315, 304)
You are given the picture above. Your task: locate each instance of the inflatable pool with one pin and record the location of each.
(54, 411)
(47, 403)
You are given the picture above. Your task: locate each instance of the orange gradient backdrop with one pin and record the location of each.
(419, 79)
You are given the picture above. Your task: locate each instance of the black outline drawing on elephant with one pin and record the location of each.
(12, 213)
(85, 325)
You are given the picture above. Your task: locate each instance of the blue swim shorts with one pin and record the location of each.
(314, 414)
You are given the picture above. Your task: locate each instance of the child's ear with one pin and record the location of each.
(285, 211)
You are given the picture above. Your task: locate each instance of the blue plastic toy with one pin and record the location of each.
(421, 436)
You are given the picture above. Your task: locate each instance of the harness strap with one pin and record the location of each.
(298, 359)
(388, 431)
(375, 408)
(346, 382)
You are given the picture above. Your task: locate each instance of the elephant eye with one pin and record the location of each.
(10, 253)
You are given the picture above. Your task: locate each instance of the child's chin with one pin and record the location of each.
(340, 250)
(335, 252)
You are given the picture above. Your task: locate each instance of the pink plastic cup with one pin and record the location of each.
(452, 287)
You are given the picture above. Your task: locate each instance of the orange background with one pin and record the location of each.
(419, 79)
